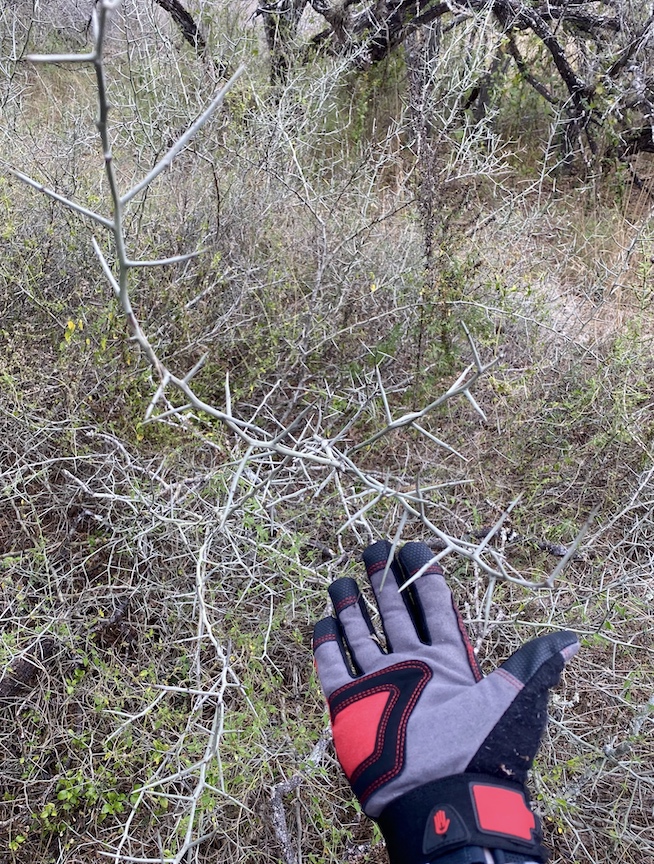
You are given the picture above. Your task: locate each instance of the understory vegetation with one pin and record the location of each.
(387, 315)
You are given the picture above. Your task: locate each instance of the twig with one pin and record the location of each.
(280, 790)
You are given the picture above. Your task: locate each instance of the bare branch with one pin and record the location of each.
(78, 208)
(185, 139)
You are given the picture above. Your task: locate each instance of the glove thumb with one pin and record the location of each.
(509, 749)
(539, 663)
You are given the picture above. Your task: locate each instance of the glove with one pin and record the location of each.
(435, 752)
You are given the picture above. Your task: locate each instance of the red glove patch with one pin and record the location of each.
(503, 811)
(369, 720)
(356, 729)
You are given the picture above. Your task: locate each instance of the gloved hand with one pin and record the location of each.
(435, 752)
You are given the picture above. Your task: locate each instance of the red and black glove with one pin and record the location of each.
(435, 752)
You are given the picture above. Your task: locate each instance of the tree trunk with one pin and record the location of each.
(280, 26)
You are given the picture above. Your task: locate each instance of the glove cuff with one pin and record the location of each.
(460, 811)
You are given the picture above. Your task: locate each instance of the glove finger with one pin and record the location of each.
(330, 656)
(401, 625)
(442, 624)
(356, 625)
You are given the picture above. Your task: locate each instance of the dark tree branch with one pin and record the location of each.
(618, 65)
(336, 15)
(510, 12)
(184, 20)
(526, 74)
(427, 17)
(636, 141)
(406, 18)
(582, 20)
